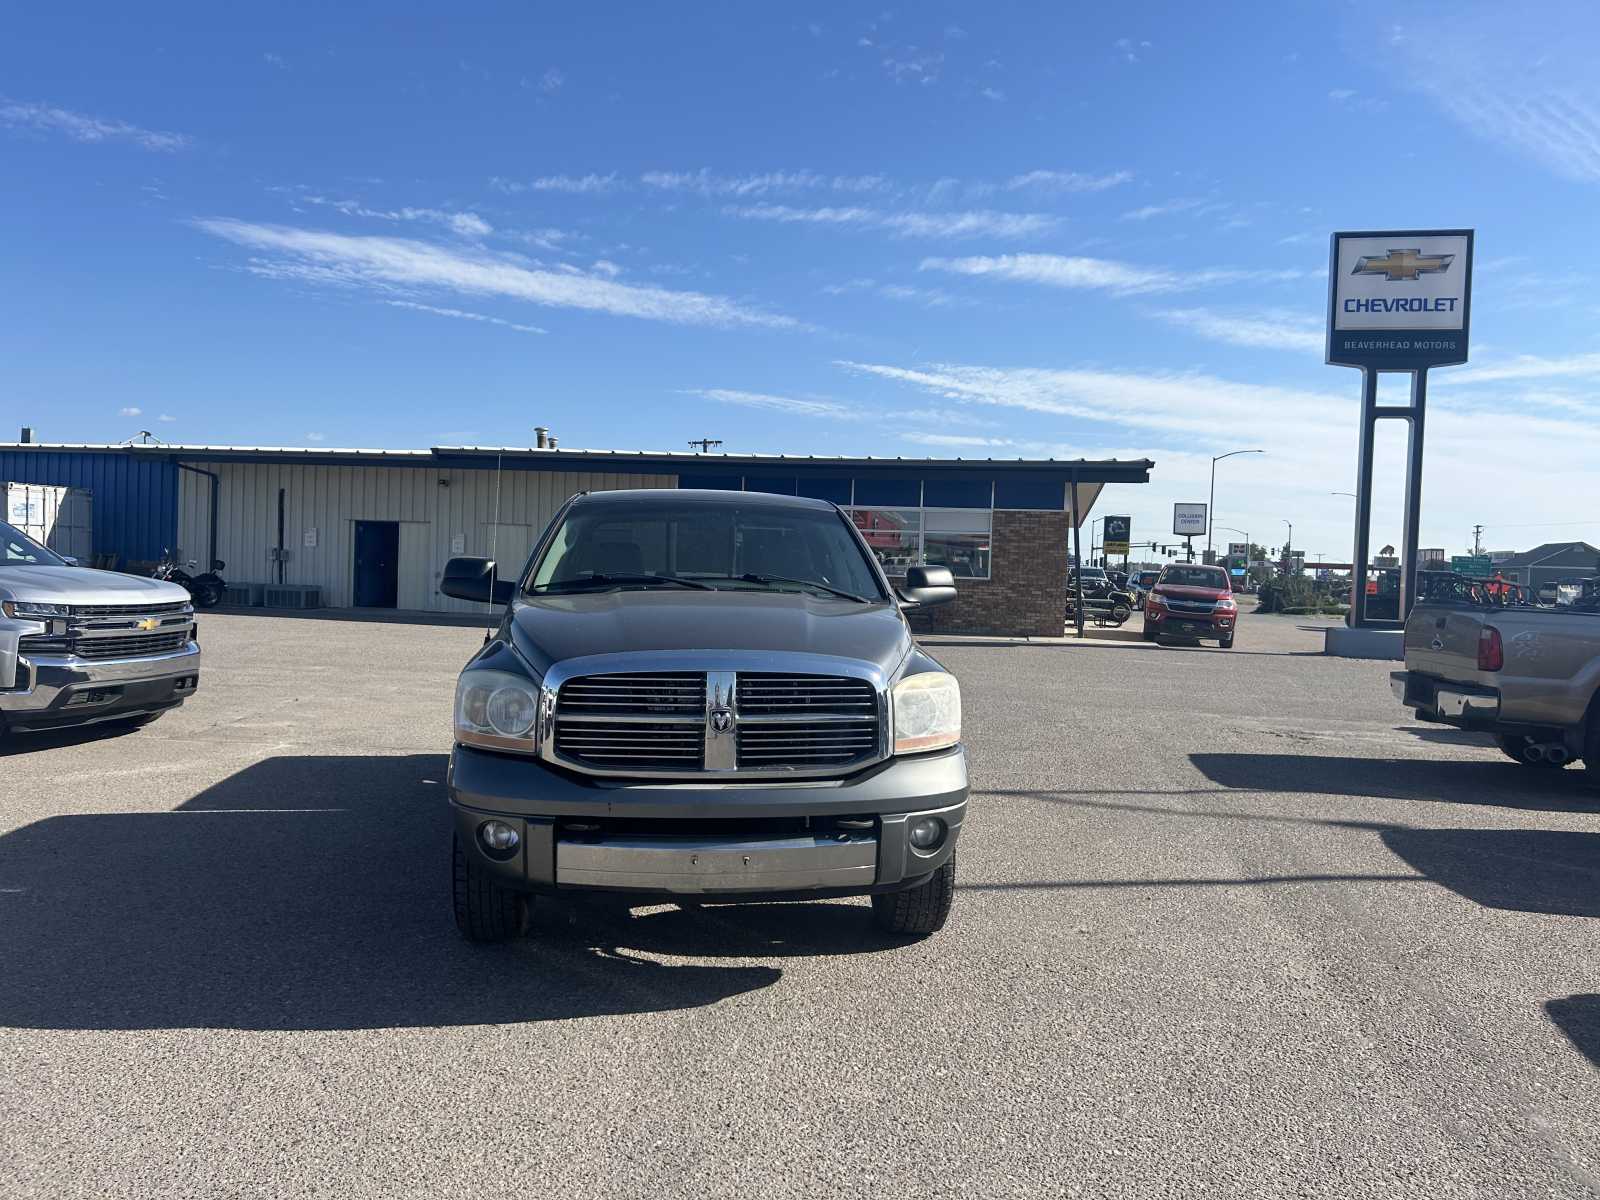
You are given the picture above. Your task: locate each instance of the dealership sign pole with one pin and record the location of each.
(1397, 301)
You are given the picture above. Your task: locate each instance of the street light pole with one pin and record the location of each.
(1212, 503)
(1288, 546)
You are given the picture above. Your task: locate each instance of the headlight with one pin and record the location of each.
(497, 710)
(24, 610)
(927, 712)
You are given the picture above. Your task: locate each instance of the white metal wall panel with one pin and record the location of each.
(322, 503)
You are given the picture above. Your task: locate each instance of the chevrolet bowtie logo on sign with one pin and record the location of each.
(1403, 264)
(148, 624)
(1399, 299)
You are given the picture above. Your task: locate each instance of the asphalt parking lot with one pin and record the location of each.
(1229, 924)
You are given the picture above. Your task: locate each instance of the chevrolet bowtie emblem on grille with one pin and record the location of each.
(1403, 264)
(147, 624)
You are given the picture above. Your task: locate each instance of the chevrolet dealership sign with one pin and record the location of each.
(1399, 301)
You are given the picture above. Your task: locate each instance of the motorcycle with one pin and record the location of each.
(1103, 604)
(205, 589)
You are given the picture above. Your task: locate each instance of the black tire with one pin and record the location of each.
(921, 910)
(1149, 634)
(1119, 614)
(207, 595)
(1512, 746)
(1591, 747)
(485, 911)
(1225, 643)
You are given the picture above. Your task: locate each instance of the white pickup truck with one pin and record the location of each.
(1529, 676)
(84, 647)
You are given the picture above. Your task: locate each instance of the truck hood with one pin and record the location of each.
(1178, 592)
(548, 629)
(81, 585)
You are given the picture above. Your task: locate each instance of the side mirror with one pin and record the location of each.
(928, 585)
(70, 561)
(217, 564)
(471, 578)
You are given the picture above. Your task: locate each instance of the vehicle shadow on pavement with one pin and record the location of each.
(1501, 784)
(1552, 871)
(32, 743)
(1579, 1018)
(313, 893)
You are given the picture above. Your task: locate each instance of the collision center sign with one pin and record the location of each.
(1400, 300)
(1189, 520)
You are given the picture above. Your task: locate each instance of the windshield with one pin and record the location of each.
(1207, 577)
(656, 544)
(17, 549)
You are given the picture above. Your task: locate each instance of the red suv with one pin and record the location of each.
(1191, 601)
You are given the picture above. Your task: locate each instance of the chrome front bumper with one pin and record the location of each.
(55, 687)
(695, 865)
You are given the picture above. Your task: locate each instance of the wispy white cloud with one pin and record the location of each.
(993, 94)
(1526, 366)
(386, 263)
(1165, 209)
(798, 406)
(275, 60)
(467, 224)
(81, 127)
(463, 315)
(980, 223)
(1067, 181)
(705, 182)
(913, 65)
(166, 418)
(928, 297)
(1278, 329)
(1512, 83)
(551, 81)
(1100, 274)
(130, 411)
(589, 184)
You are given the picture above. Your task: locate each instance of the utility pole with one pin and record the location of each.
(1477, 539)
(705, 444)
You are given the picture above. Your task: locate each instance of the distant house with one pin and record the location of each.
(1550, 562)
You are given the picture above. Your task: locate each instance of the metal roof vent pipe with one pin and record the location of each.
(541, 437)
(552, 441)
(27, 435)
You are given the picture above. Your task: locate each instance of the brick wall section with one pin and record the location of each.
(1026, 593)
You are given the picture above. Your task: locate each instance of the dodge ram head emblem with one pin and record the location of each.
(721, 720)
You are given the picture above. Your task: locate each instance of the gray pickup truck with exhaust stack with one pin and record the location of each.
(702, 695)
(1525, 674)
(85, 647)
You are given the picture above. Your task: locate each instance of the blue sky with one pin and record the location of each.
(950, 229)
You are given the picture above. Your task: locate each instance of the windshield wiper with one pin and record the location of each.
(754, 577)
(623, 581)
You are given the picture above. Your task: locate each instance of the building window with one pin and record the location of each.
(908, 537)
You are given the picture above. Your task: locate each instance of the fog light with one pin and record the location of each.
(926, 832)
(498, 836)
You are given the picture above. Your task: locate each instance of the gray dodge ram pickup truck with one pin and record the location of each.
(83, 647)
(704, 695)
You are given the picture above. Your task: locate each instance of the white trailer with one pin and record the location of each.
(61, 518)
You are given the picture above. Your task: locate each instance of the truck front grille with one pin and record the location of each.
(807, 744)
(139, 645)
(660, 722)
(131, 610)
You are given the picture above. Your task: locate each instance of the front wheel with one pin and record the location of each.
(921, 910)
(1226, 643)
(485, 911)
(207, 595)
(1120, 614)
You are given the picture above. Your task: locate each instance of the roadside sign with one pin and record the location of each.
(1473, 566)
(1188, 520)
(1238, 550)
(1399, 300)
(1117, 532)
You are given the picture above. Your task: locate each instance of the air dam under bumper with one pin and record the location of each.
(63, 692)
(874, 855)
